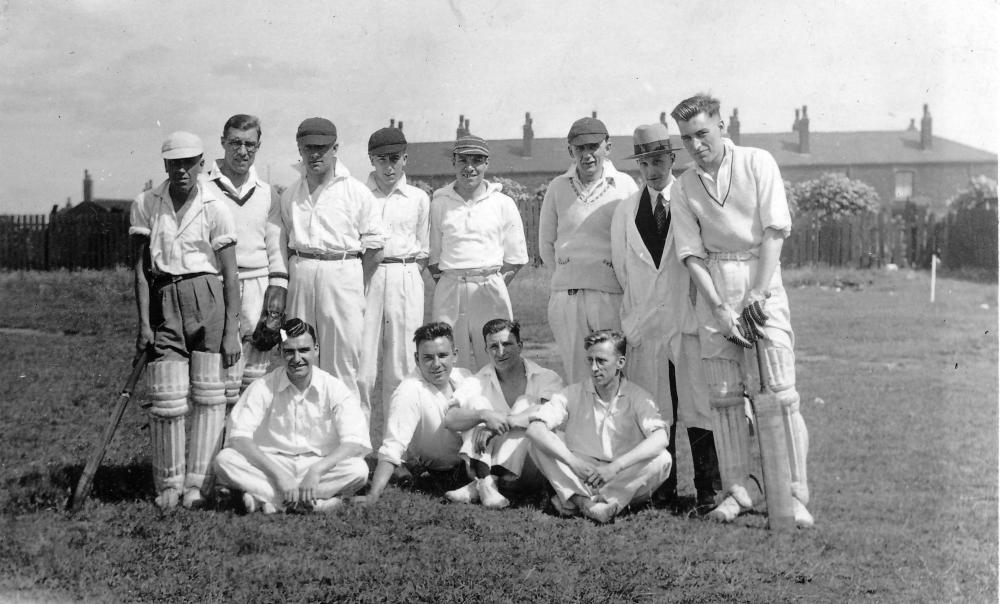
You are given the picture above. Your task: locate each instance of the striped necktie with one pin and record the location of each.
(660, 217)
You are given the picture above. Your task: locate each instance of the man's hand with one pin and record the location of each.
(495, 422)
(231, 348)
(143, 341)
(288, 487)
(604, 473)
(729, 325)
(754, 316)
(583, 469)
(481, 437)
(308, 485)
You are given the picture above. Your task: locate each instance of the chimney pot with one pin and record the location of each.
(88, 186)
(913, 125)
(400, 125)
(593, 114)
(663, 117)
(926, 136)
(795, 124)
(392, 122)
(804, 131)
(529, 134)
(734, 126)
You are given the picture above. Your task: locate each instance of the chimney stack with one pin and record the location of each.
(400, 125)
(795, 124)
(465, 128)
(804, 132)
(392, 122)
(926, 140)
(734, 126)
(663, 118)
(593, 114)
(529, 135)
(88, 186)
(460, 132)
(913, 125)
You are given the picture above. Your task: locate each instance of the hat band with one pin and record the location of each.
(652, 147)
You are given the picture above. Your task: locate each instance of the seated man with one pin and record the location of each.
(615, 448)
(414, 429)
(493, 410)
(297, 436)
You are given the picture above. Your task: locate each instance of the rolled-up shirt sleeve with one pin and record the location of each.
(400, 425)
(553, 413)
(138, 218)
(222, 229)
(249, 411)
(370, 228)
(687, 232)
(349, 419)
(772, 202)
(648, 415)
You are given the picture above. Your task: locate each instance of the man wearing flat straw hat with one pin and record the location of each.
(658, 319)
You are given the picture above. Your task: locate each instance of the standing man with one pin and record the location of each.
(477, 246)
(297, 437)
(574, 239)
(493, 410)
(415, 433)
(615, 447)
(394, 298)
(333, 232)
(658, 311)
(185, 238)
(255, 208)
(731, 219)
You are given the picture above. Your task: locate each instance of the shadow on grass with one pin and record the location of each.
(52, 488)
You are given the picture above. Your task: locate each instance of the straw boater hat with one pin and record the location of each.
(650, 140)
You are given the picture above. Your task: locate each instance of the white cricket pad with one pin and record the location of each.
(167, 388)
(207, 422)
(256, 366)
(797, 440)
(208, 385)
(729, 424)
(167, 434)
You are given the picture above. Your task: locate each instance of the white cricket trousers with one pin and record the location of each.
(466, 300)
(508, 451)
(394, 309)
(330, 296)
(572, 316)
(234, 471)
(251, 303)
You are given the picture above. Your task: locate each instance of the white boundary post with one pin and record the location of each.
(934, 263)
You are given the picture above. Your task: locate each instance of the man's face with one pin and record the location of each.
(435, 358)
(318, 159)
(604, 362)
(470, 169)
(702, 137)
(240, 148)
(504, 350)
(183, 172)
(655, 170)
(388, 168)
(300, 355)
(589, 157)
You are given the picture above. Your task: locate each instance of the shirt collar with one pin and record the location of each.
(398, 187)
(339, 171)
(203, 196)
(215, 172)
(284, 383)
(593, 389)
(610, 174)
(665, 192)
(449, 191)
(728, 145)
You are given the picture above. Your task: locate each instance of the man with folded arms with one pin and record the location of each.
(297, 436)
(493, 410)
(615, 448)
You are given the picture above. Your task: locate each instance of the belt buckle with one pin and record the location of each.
(572, 292)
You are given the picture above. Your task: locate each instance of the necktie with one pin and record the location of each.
(660, 217)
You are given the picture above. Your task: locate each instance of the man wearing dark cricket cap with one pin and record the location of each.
(394, 297)
(664, 355)
(574, 240)
(331, 224)
(477, 246)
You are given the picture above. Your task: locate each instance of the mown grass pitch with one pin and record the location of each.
(900, 397)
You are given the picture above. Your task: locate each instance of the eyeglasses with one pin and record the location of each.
(236, 144)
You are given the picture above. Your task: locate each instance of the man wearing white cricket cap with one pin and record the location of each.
(574, 239)
(658, 319)
(477, 246)
(394, 297)
(732, 218)
(185, 238)
(333, 232)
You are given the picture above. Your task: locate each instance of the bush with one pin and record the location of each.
(981, 193)
(518, 192)
(834, 196)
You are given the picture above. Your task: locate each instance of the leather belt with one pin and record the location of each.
(573, 292)
(332, 256)
(403, 260)
(164, 279)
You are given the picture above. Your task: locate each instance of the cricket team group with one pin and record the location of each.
(267, 319)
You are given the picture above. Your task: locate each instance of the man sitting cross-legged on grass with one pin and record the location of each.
(615, 448)
(415, 434)
(297, 436)
(494, 409)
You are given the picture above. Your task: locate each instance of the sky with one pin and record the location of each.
(97, 85)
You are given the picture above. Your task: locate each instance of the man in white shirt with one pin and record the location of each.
(332, 231)
(615, 448)
(394, 297)
(658, 319)
(732, 218)
(415, 434)
(297, 436)
(477, 246)
(493, 410)
(574, 239)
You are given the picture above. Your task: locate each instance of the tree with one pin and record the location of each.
(834, 196)
(981, 193)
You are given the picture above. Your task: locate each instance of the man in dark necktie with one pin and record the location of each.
(658, 312)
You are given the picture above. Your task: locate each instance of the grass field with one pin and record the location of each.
(900, 397)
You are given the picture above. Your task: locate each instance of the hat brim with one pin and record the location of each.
(471, 151)
(387, 149)
(181, 153)
(587, 139)
(317, 139)
(652, 153)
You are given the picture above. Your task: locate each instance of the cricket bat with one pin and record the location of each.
(94, 461)
(773, 452)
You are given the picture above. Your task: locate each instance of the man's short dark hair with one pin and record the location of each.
(497, 325)
(295, 327)
(606, 335)
(433, 331)
(690, 107)
(242, 121)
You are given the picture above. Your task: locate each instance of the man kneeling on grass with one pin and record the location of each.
(615, 447)
(415, 437)
(297, 436)
(493, 410)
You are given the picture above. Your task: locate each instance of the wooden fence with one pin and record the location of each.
(965, 238)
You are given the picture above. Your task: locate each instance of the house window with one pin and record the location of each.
(904, 186)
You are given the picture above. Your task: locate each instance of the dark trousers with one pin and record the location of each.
(704, 459)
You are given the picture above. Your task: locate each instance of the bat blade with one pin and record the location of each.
(773, 452)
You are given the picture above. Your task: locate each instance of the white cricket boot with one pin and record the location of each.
(488, 493)
(466, 494)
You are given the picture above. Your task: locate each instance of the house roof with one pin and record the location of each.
(549, 155)
(96, 206)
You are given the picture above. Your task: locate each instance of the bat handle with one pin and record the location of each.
(762, 367)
